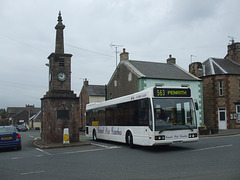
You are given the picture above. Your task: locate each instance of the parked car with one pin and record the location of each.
(10, 138)
(21, 127)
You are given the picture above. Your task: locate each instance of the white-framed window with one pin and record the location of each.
(238, 113)
(220, 88)
(185, 85)
(238, 109)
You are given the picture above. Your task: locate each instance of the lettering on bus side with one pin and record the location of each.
(138, 97)
(107, 130)
(168, 137)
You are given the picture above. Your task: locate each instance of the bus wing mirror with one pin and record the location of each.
(196, 105)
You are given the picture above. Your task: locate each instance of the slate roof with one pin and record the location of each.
(95, 90)
(215, 66)
(159, 70)
(16, 110)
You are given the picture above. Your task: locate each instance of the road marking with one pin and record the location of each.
(89, 150)
(106, 147)
(32, 172)
(16, 158)
(214, 147)
(220, 136)
(44, 151)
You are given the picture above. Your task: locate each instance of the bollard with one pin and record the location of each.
(65, 136)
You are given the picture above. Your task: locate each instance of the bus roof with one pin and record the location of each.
(147, 93)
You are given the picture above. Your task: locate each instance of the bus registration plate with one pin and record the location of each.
(176, 142)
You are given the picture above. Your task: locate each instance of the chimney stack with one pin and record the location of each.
(233, 52)
(171, 60)
(85, 82)
(196, 69)
(124, 55)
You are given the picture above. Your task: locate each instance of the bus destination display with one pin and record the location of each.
(169, 92)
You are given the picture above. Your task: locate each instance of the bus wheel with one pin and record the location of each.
(94, 135)
(129, 139)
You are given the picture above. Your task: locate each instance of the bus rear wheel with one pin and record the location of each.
(94, 135)
(129, 139)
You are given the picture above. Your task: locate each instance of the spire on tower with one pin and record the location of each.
(59, 16)
(59, 35)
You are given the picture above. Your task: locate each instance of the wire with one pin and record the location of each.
(89, 50)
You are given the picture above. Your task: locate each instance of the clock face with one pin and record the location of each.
(62, 76)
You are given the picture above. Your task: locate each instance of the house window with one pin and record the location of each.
(159, 84)
(239, 88)
(130, 77)
(238, 109)
(185, 85)
(115, 83)
(220, 88)
(238, 113)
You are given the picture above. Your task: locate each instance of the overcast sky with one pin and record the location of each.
(150, 30)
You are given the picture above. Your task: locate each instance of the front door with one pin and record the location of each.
(222, 118)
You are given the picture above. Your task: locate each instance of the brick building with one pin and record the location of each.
(221, 88)
(89, 93)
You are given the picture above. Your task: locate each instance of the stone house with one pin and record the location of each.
(22, 114)
(35, 121)
(89, 93)
(132, 76)
(221, 88)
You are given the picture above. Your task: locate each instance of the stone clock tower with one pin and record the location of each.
(60, 106)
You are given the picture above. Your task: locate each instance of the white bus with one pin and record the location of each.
(155, 116)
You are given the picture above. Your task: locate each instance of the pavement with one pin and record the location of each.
(38, 143)
(227, 132)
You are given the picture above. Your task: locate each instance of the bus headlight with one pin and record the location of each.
(159, 137)
(193, 135)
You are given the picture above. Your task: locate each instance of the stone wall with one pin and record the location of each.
(122, 83)
(83, 101)
(53, 122)
(213, 100)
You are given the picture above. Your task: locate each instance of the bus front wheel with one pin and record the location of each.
(129, 139)
(94, 135)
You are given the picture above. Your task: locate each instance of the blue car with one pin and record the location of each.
(10, 138)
